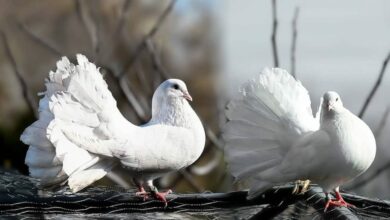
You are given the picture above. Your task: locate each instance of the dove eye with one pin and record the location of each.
(175, 86)
(337, 99)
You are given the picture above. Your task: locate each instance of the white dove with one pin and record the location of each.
(80, 134)
(272, 137)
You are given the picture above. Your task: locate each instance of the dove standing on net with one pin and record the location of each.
(80, 134)
(272, 137)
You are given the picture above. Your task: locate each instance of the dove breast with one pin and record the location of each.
(353, 145)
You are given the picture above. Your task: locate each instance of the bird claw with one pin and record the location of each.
(339, 201)
(142, 193)
(301, 187)
(162, 196)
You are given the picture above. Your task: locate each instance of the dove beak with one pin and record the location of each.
(187, 96)
(330, 106)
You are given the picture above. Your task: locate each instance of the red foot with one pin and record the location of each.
(161, 196)
(142, 193)
(338, 202)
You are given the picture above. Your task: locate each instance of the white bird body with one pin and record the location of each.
(273, 138)
(81, 134)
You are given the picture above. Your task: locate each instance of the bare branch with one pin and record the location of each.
(25, 91)
(376, 86)
(89, 24)
(156, 59)
(382, 123)
(128, 94)
(125, 88)
(294, 41)
(190, 180)
(39, 40)
(122, 81)
(273, 37)
(145, 83)
(122, 18)
(208, 167)
(214, 138)
(118, 180)
(141, 46)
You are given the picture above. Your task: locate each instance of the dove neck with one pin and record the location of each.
(330, 117)
(172, 111)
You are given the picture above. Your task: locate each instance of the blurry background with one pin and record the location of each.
(212, 45)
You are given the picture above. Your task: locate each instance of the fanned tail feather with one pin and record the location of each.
(75, 96)
(272, 112)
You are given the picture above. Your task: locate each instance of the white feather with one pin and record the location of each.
(273, 111)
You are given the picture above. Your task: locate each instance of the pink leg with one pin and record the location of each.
(162, 196)
(159, 195)
(141, 191)
(339, 201)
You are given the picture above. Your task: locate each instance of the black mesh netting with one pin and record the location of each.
(20, 198)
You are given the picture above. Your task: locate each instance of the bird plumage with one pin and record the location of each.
(80, 134)
(272, 136)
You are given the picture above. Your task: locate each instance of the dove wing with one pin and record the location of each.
(152, 147)
(271, 115)
(77, 110)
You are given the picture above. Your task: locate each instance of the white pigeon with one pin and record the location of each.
(80, 134)
(272, 137)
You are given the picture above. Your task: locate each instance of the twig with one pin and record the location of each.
(118, 179)
(141, 46)
(294, 41)
(370, 177)
(129, 95)
(273, 37)
(25, 91)
(190, 180)
(89, 24)
(156, 59)
(382, 123)
(214, 138)
(144, 82)
(208, 167)
(125, 88)
(39, 40)
(122, 81)
(122, 18)
(376, 86)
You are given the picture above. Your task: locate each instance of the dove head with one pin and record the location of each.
(172, 90)
(331, 101)
(331, 105)
(170, 99)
